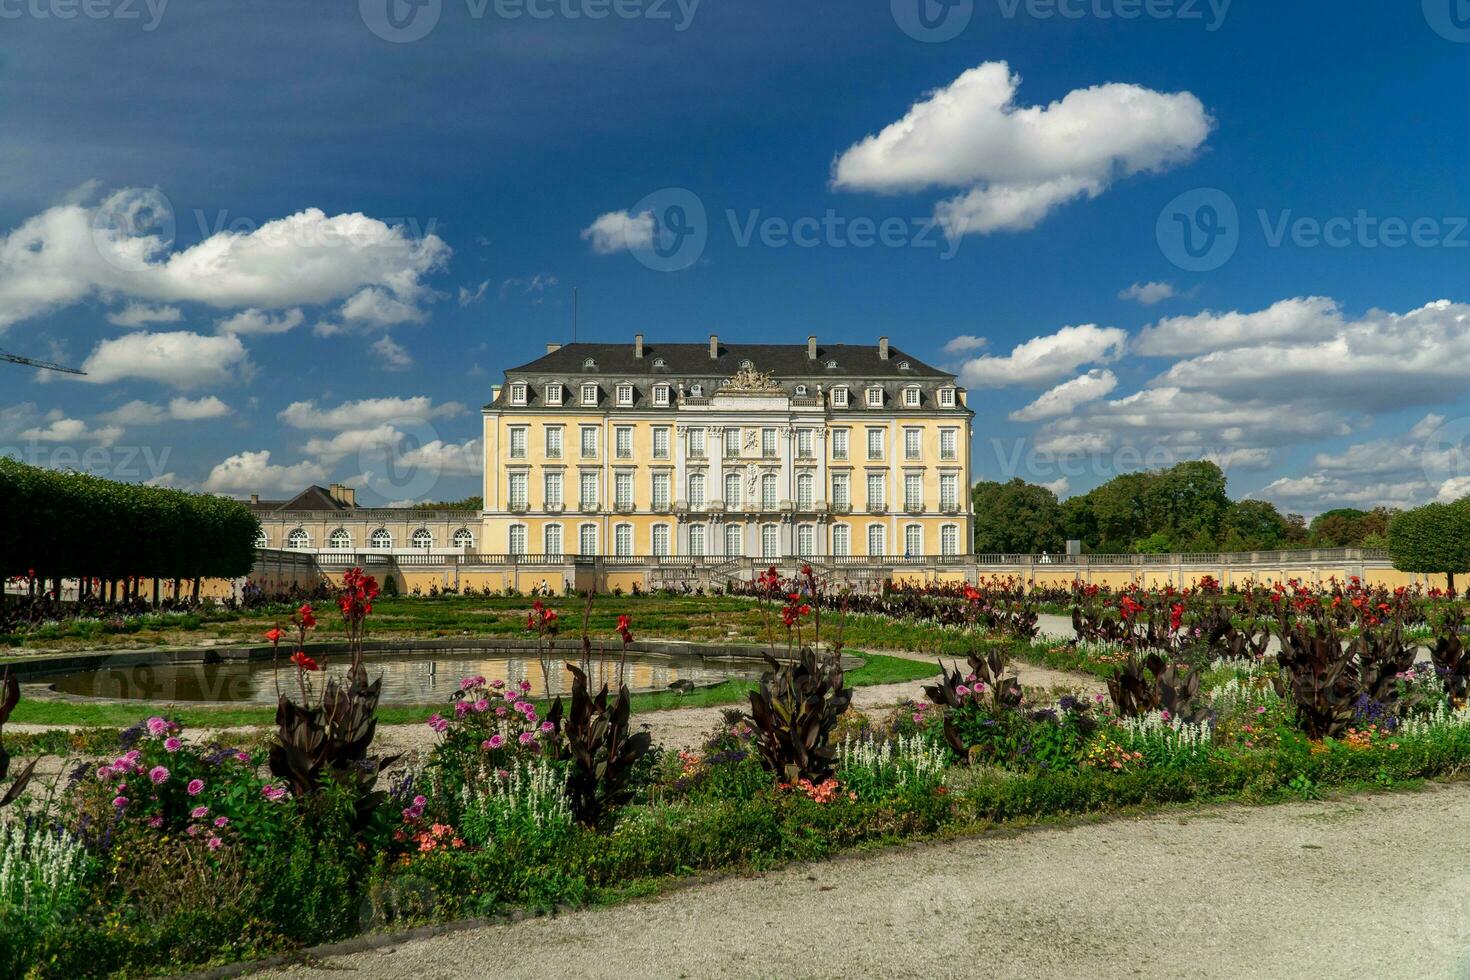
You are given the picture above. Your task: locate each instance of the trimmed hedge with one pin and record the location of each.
(71, 525)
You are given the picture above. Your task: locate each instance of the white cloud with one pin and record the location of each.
(141, 314)
(1300, 319)
(73, 430)
(256, 321)
(181, 359)
(253, 472)
(1066, 397)
(114, 250)
(367, 413)
(343, 444)
(451, 459)
(965, 343)
(191, 410)
(136, 413)
(1020, 162)
(468, 297)
(1043, 360)
(1060, 487)
(392, 353)
(1244, 458)
(178, 409)
(618, 231)
(1148, 293)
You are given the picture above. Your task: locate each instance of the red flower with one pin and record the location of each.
(1128, 608)
(1176, 616)
(273, 634)
(625, 630)
(305, 616)
(303, 662)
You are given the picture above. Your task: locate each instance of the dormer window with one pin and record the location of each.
(875, 397)
(659, 363)
(696, 391)
(625, 395)
(589, 394)
(839, 397)
(911, 398)
(589, 365)
(553, 394)
(518, 394)
(661, 395)
(801, 391)
(946, 398)
(904, 366)
(746, 365)
(831, 365)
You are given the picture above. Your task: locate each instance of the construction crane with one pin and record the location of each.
(32, 362)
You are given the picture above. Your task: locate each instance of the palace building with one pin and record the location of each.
(736, 450)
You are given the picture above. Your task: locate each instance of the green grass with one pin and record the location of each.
(876, 669)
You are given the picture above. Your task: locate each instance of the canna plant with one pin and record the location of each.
(603, 754)
(1451, 658)
(793, 713)
(986, 682)
(1144, 685)
(9, 698)
(1319, 676)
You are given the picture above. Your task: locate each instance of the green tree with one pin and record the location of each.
(1347, 527)
(1433, 539)
(1016, 518)
(1253, 525)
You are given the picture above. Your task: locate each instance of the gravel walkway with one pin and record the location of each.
(1368, 886)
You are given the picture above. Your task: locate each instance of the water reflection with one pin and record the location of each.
(408, 677)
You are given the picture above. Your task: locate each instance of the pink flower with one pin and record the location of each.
(193, 830)
(548, 727)
(500, 712)
(461, 709)
(273, 793)
(1261, 710)
(199, 812)
(495, 741)
(526, 738)
(156, 823)
(437, 723)
(243, 756)
(215, 843)
(221, 821)
(1165, 714)
(482, 705)
(121, 802)
(525, 685)
(497, 684)
(172, 744)
(157, 726)
(195, 787)
(104, 772)
(962, 691)
(158, 775)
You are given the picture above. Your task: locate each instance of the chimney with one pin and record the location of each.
(255, 498)
(638, 346)
(714, 347)
(882, 348)
(811, 348)
(553, 347)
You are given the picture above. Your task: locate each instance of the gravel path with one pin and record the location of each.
(1367, 886)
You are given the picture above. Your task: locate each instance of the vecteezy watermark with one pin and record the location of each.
(407, 463)
(1444, 457)
(131, 227)
(934, 21)
(1450, 19)
(1200, 231)
(148, 13)
(679, 232)
(309, 234)
(405, 21)
(128, 463)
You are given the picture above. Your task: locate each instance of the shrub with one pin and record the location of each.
(876, 769)
(793, 714)
(603, 755)
(42, 874)
(527, 802)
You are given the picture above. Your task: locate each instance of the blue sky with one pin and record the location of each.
(500, 160)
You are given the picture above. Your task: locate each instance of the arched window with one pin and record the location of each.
(552, 539)
(913, 541)
(623, 540)
(660, 540)
(696, 490)
(804, 490)
(768, 491)
(949, 540)
(734, 540)
(381, 540)
(876, 542)
(770, 541)
(463, 539)
(587, 541)
(696, 540)
(262, 540)
(806, 540)
(841, 540)
(732, 490)
(340, 540)
(518, 539)
(298, 538)
(422, 539)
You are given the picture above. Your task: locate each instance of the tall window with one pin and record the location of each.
(949, 540)
(768, 442)
(734, 540)
(589, 394)
(553, 442)
(587, 540)
(804, 490)
(518, 394)
(839, 397)
(625, 395)
(911, 398)
(770, 541)
(623, 540)
(660, 491)
(806, 540)
(913, 491)
(839, 443)
(876, 543)
(732, 490)
(841, 490)
(768, 491)
(339, 540)
(552, 539)
(949, 444)
(463, 539)
(623, 491)
(913, 541)
(875, 491)
(696, 444)
(696, 490)
(875, 397)
(518, 490)
(298, 538)
(804, 444)
(623, 437)
(518, 435)
(588, 495)
(912, 444)
(262, 540)
(518, 539)
(553, 394)
(422, 539)
(661, 395)
(949, 491)
(660, 540)
(841, 540)
(732, 443)
(875, 443)
(589, 442)
(381, 540)
(696, 540)
(554, 496)
(661, 442)
(946, 398)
